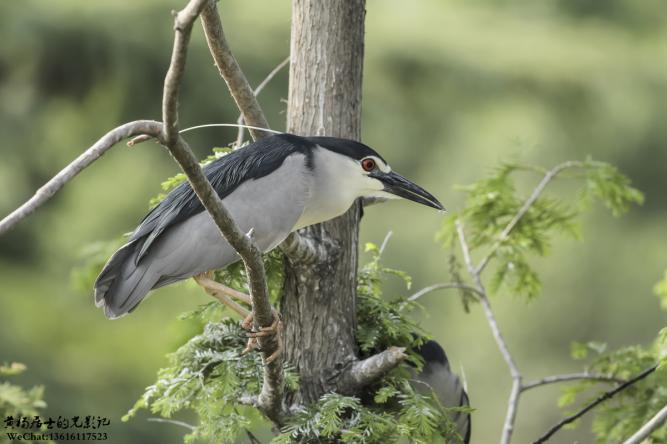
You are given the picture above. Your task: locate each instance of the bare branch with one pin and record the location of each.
(606, 395)
(50, 188)
(270, 398)
(569, 377)
(449, 285)
(385, 242)
(183, 22)
(548, 177)
(481, 291)
(513, 402)
(465, 249)
(139, 139)
(512, 407)
(270, 76)
(648, 428)
(231, 71)
(518, 387)
(362, 373)
(241, 133)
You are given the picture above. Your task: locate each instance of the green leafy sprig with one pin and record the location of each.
(493, 204)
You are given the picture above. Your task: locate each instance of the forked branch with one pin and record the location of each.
(167, 134)
(513, 403)
(270, 397)
(518, 386)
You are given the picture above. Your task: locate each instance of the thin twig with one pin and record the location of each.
(548, 177)
(385, 242)
(144, 137)
(50, 188)
(260, 87)
(139, 139)
(513, 402)
(270, 76)
(174, 422)
(569, 377)
(234, 125)
(481, 291)
(231, 71)
(446, 286)
(648, 428)
(606, 395)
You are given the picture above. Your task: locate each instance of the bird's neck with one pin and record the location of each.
(334, 186)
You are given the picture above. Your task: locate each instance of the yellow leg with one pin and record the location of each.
(225, 294)
(209, 284)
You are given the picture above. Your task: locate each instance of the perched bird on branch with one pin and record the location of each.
(437, 378)
(273, 187)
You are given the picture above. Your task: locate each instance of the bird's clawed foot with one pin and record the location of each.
(274, 329)
(226, 295)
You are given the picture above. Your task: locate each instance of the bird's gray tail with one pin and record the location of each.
(123, 284)
(439, 378)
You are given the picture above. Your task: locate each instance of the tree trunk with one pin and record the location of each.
(319, 302)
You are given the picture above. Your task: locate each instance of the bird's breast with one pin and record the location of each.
(323, 209)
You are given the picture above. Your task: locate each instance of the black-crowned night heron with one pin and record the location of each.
(273, 187)
(438, 378)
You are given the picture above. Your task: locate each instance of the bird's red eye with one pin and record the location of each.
(368, 164)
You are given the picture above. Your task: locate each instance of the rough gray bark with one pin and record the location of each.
(319, 302)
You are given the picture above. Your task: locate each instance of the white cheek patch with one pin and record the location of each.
(372, 184)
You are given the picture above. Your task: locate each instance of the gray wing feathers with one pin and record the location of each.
(270, 205)
(157, 231)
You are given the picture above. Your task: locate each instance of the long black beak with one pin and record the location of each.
(400, 186)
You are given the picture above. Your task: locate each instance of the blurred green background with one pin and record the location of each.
(451, 88)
